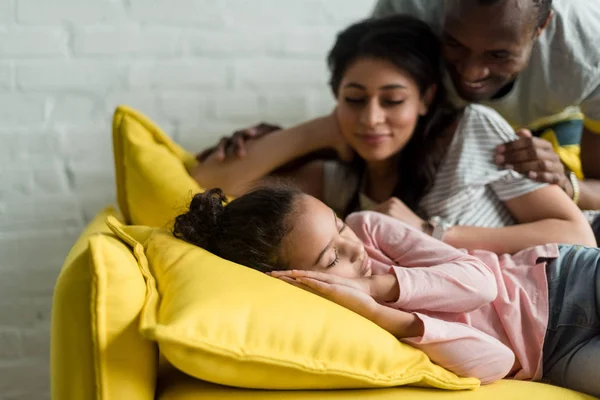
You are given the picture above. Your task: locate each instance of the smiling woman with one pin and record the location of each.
(403, 150)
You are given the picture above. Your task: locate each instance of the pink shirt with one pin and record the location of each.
(484, 315)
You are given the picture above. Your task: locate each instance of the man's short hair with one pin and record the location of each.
(544, 7)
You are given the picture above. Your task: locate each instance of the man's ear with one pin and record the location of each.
(427, 99)
(543, 26)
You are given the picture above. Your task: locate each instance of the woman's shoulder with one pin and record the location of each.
(486, 122)
(340, 182)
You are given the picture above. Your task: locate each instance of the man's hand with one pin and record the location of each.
(534, 158)
(236, 143)
(394, 207)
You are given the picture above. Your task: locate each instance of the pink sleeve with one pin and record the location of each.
(431, 275)
(463, 350)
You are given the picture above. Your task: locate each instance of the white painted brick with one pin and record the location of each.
(206, 134)
(187, 108)
(21, 109)
(50, 179)
(180, 75)
(233, 42)
(6, 76)
(24, 375)
(87, 145)
(88, 177)
(145, 101)
(20, 394)
(36, 279)
(197, 12)
(10, 344)
(6, 11)
(270, 73)
(33, 42)
(288, 108)
(36, 342)
(65, 75)
(95, 200)
(237, 107)
(23, 181)
(104, 41)
(25, 313)
(74, 108)
(315, 42)
(342, 12)
(24, 213)
(29, 146)
(58, 11)
(275, 13)
(321, 103)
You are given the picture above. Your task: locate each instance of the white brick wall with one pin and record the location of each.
(200, 68)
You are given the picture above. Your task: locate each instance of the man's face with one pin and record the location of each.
(485, 47)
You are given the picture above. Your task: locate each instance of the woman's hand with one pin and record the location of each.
(395, 208)
(349, 293)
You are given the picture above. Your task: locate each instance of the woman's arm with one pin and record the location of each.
(431, 274)
(546, 215)
(236, 175)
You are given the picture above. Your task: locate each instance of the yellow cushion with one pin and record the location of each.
(177, 386)
(153, 183)
(228, 324)
(96, 349)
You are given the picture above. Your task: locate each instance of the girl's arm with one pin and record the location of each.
(462, 349)
(546, 215)
(236, 175)
(431, 275)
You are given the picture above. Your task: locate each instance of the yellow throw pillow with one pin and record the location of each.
(228, 324)
(97, 351)
(153, 183)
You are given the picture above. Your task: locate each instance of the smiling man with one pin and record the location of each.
(537, 63)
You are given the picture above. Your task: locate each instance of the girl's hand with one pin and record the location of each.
(362, 284)
(349, 297)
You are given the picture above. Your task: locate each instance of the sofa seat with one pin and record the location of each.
(175, 385)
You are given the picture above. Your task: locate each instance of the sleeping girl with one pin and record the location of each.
(530, 316)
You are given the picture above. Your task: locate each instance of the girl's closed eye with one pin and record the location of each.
(335, 260)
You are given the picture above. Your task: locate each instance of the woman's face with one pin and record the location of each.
(378, 108)
(320, 241)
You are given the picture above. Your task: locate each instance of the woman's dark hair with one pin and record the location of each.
(249, 230)
(413, 47)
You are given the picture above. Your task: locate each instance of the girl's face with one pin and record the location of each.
(320, 241)
(378, 108)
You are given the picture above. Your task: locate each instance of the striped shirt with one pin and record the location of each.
(469, 189)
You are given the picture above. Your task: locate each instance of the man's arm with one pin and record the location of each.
(536, 158)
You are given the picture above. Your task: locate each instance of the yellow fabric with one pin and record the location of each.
(568, 154)
(153, 183)
(591, 125)
(96, 349)
(568, 114)
(180, 387)
(231, 325)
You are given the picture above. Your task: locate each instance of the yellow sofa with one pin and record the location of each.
(97, 352)
(98, 347)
